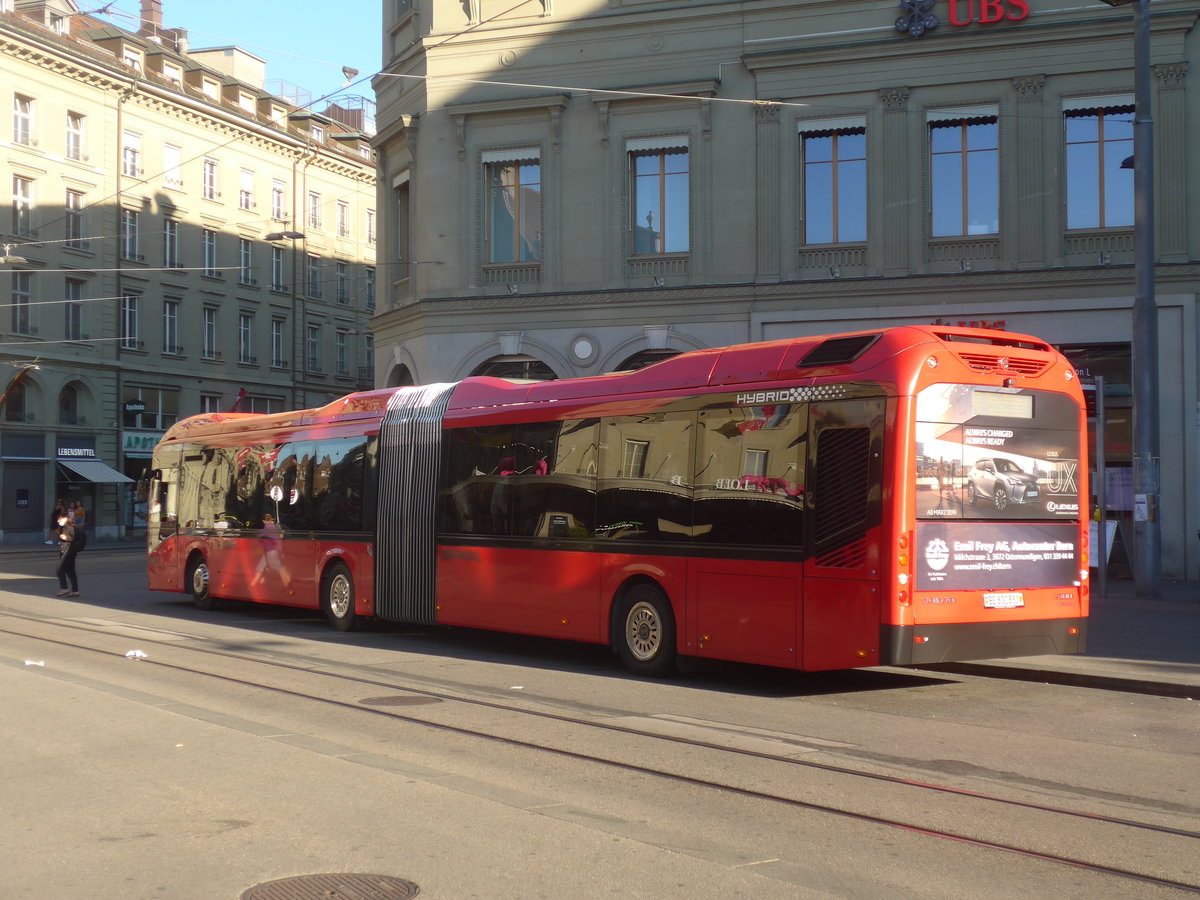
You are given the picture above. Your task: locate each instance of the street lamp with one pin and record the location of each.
(1147, 529)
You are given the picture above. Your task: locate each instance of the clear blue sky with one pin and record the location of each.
(304, 43)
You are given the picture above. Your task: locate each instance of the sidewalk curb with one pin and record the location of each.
(1181, 691)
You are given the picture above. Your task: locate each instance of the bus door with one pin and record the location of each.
(162, 521)
(744, 581)
(843, 555)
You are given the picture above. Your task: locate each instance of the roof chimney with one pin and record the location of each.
(151, 17)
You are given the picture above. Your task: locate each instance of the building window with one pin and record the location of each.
(277, 207)
(22, 120)
(74, 219)
(172, 160)
(277, 269)
(22, 206)
(314, 348)
(171, 326)
(369, 287)
(21, 299)
(208, 334)
(318, 134)
(278, 343)
(245, 261)
(659, 218)
(835, 185)
(314, 209)
(160, 408)
(75, 136)
(246, 190)
(132, 58)
(964, 176)
(131, 154)
(370, 226)
(314, 276)
(514, 210)
(369, 352)
(339, 345)
(170, 244)
(1099, 192)
(403, 228)
(209, 88)
(129, 323)
(246, 339)
(209, 186)
(208, 241)
(343, 219)
(210, 403)
(343, 282)
(68, 405)
(633, 460)
(130, 235)
(246, 102)
(14, 404)
(73, 311)
(172, 73)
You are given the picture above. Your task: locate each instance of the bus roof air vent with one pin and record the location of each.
(837, 351)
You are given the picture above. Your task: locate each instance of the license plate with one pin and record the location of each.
(1009, 600)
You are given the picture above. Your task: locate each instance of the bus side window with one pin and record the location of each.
(750, 475)
(644, 490)
(554, 490)
(477, 468)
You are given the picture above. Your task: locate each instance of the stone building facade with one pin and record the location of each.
(177, 239)
(576, 186)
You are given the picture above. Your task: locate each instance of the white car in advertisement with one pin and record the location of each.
(1001, 481)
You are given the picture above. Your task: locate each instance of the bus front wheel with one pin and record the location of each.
(198, 581)
(645, 633)
(337, 598)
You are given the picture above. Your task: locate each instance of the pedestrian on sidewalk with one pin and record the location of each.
(70, 541)
(60, 510)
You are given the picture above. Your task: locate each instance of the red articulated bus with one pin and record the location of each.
(892, 497)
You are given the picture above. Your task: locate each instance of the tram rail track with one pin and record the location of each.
(955, 793)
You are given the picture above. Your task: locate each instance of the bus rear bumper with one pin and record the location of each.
(909, 645)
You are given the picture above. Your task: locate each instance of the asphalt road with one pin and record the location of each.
(252, 744)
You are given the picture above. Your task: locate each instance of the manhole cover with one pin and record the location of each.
(336, 886)
(407, 700)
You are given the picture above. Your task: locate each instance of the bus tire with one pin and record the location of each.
(337, 597)
(198, 583)
(645, 632)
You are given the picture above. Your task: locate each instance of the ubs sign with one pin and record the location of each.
(918, 16)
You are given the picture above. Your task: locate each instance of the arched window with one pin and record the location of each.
(644, 358)
(14, 403)
(68, 406)
(400, 377)
(517, 368)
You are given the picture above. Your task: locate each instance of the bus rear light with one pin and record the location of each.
(902, 578)
(903, 599)
(1084, 557)
(932, 362)
(903, 559)
(904, 542)
(920, 639)
(1083, 574)
(1072, 630)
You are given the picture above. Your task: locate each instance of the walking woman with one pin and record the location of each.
(70, 542)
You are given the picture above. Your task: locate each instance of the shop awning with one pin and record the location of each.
(95, 471)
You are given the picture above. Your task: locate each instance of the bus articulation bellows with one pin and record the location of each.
(891, 497)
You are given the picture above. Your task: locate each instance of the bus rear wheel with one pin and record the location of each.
(337, 598)
(198, 582)
(645, 632)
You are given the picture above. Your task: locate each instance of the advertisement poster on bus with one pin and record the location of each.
(963, 556)
(997, 454)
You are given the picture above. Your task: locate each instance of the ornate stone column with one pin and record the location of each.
(768, 221)
(891, 227)
(1026, 166)
(1170, 166)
